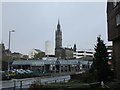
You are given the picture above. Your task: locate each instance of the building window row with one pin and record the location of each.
(80, 51)
(90, 52)
(79, 55)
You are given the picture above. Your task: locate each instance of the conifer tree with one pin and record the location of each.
(100, 66)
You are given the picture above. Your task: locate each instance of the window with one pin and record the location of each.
(115, 2)
(80, 51)
(80, 55)
(118, 19)
(90, 52)
(89, 56)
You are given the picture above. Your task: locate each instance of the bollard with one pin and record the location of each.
(55, 81)
(45, 83)
(14, 84)
(21, 85)
(64, 80)
(40, 81)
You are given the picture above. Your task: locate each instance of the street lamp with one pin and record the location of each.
(9, 47)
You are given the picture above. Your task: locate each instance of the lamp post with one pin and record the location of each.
(9, 47)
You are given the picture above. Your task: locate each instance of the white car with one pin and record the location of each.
(28, 71)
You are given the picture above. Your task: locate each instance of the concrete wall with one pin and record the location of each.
(114, 35)
(116, 57)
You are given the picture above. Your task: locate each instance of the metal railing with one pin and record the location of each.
(25, 83)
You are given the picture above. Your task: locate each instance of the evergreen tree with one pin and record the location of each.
(100, 66)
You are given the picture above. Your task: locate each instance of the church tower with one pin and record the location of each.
(58, 36)
(74, 48)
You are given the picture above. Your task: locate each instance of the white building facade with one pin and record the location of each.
(49, 48)
(33, 52)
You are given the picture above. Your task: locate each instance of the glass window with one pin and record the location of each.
(118, 19)
(80, 55)
(90, 52)
(80, 51)
(115, 2)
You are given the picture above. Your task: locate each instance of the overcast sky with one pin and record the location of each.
(34, 23)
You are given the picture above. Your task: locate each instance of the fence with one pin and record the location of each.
(25, 83)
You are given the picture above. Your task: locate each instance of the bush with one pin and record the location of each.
(36, 85)
(88, 77)
(85, 77)
(114, 85)
(5, 76)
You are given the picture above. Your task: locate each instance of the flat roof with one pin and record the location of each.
(45, 62)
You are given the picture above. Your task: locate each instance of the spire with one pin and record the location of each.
(58, 21)
(74, 48)
(58, 25)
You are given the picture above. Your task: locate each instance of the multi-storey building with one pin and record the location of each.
(113, 21)
(110, 52)
(87, 54)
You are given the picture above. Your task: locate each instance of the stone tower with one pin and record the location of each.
(74, 48)
(58, 36)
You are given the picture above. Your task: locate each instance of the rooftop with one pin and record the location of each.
(44, 62)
